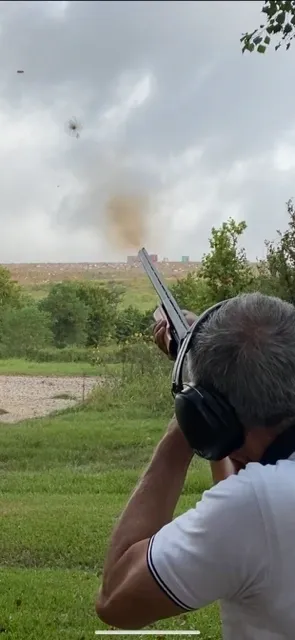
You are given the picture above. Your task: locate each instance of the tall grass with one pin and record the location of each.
(64, 480)
(140, 384)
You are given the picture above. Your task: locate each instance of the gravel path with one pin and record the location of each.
(24, 397)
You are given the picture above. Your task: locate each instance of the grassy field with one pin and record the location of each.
(64, 481)
(138, 291)
(17, 366)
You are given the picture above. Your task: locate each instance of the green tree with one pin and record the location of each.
(225, 268)
(24, 329)
(68, 313)
(224, 272)
(192, 293)
(279, 21)
(101, 302)
(10, 290)
(278, 270)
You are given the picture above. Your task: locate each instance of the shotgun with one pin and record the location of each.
(169, 310)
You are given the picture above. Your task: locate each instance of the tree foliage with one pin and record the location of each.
(82, 313)
(279, 22)
(192, 293)
(279, 266)
(224, 271)
(225, 268)
(101, 301)
(10, 291)
(68, 314)
(131, 322)
(23, 329)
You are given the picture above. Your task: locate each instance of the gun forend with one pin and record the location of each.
(170, 306)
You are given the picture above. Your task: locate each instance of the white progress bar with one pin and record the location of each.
(146, 632)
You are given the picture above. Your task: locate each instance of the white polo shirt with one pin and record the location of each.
(238, 546)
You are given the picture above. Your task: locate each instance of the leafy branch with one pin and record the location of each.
(280, 22)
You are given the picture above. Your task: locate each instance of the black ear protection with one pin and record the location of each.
(207, 420)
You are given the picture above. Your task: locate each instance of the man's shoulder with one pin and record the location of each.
(237, 488)
(238, 497)
(246, 493)
(245, 483)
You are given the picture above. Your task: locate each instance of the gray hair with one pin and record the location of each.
(246, 352)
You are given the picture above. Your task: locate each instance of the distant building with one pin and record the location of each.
(134, 260)
(185, 259)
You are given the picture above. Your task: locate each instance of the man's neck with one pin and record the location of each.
(281, 447)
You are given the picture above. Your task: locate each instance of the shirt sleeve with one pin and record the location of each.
(215, 551)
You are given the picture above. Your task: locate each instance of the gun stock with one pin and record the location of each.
(177, 323)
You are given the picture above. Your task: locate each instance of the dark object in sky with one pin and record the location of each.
(74, 127)
(20, 71)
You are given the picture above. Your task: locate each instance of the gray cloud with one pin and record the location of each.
(170, 108)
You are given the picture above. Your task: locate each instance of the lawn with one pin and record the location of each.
(63, 482)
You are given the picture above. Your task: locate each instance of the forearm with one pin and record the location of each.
(221, 470)
(154, 500)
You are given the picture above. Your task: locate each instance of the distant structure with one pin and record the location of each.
(185, 259)
(134, 260)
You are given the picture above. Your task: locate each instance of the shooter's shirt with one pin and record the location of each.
(238, 546)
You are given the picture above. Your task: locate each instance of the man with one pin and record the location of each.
(238, 544)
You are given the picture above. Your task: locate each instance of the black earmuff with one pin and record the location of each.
(207, 420)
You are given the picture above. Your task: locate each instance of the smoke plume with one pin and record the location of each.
(126, 218)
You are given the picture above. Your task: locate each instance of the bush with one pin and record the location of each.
(142, 385)
(132, 321)
(23, 329)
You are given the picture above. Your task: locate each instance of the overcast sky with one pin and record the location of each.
(170, 109)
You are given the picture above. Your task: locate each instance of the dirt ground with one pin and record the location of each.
(24, 397)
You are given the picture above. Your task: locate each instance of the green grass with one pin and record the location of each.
(140, 293)
(63, 483)
(18, 366)
(37, 291)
